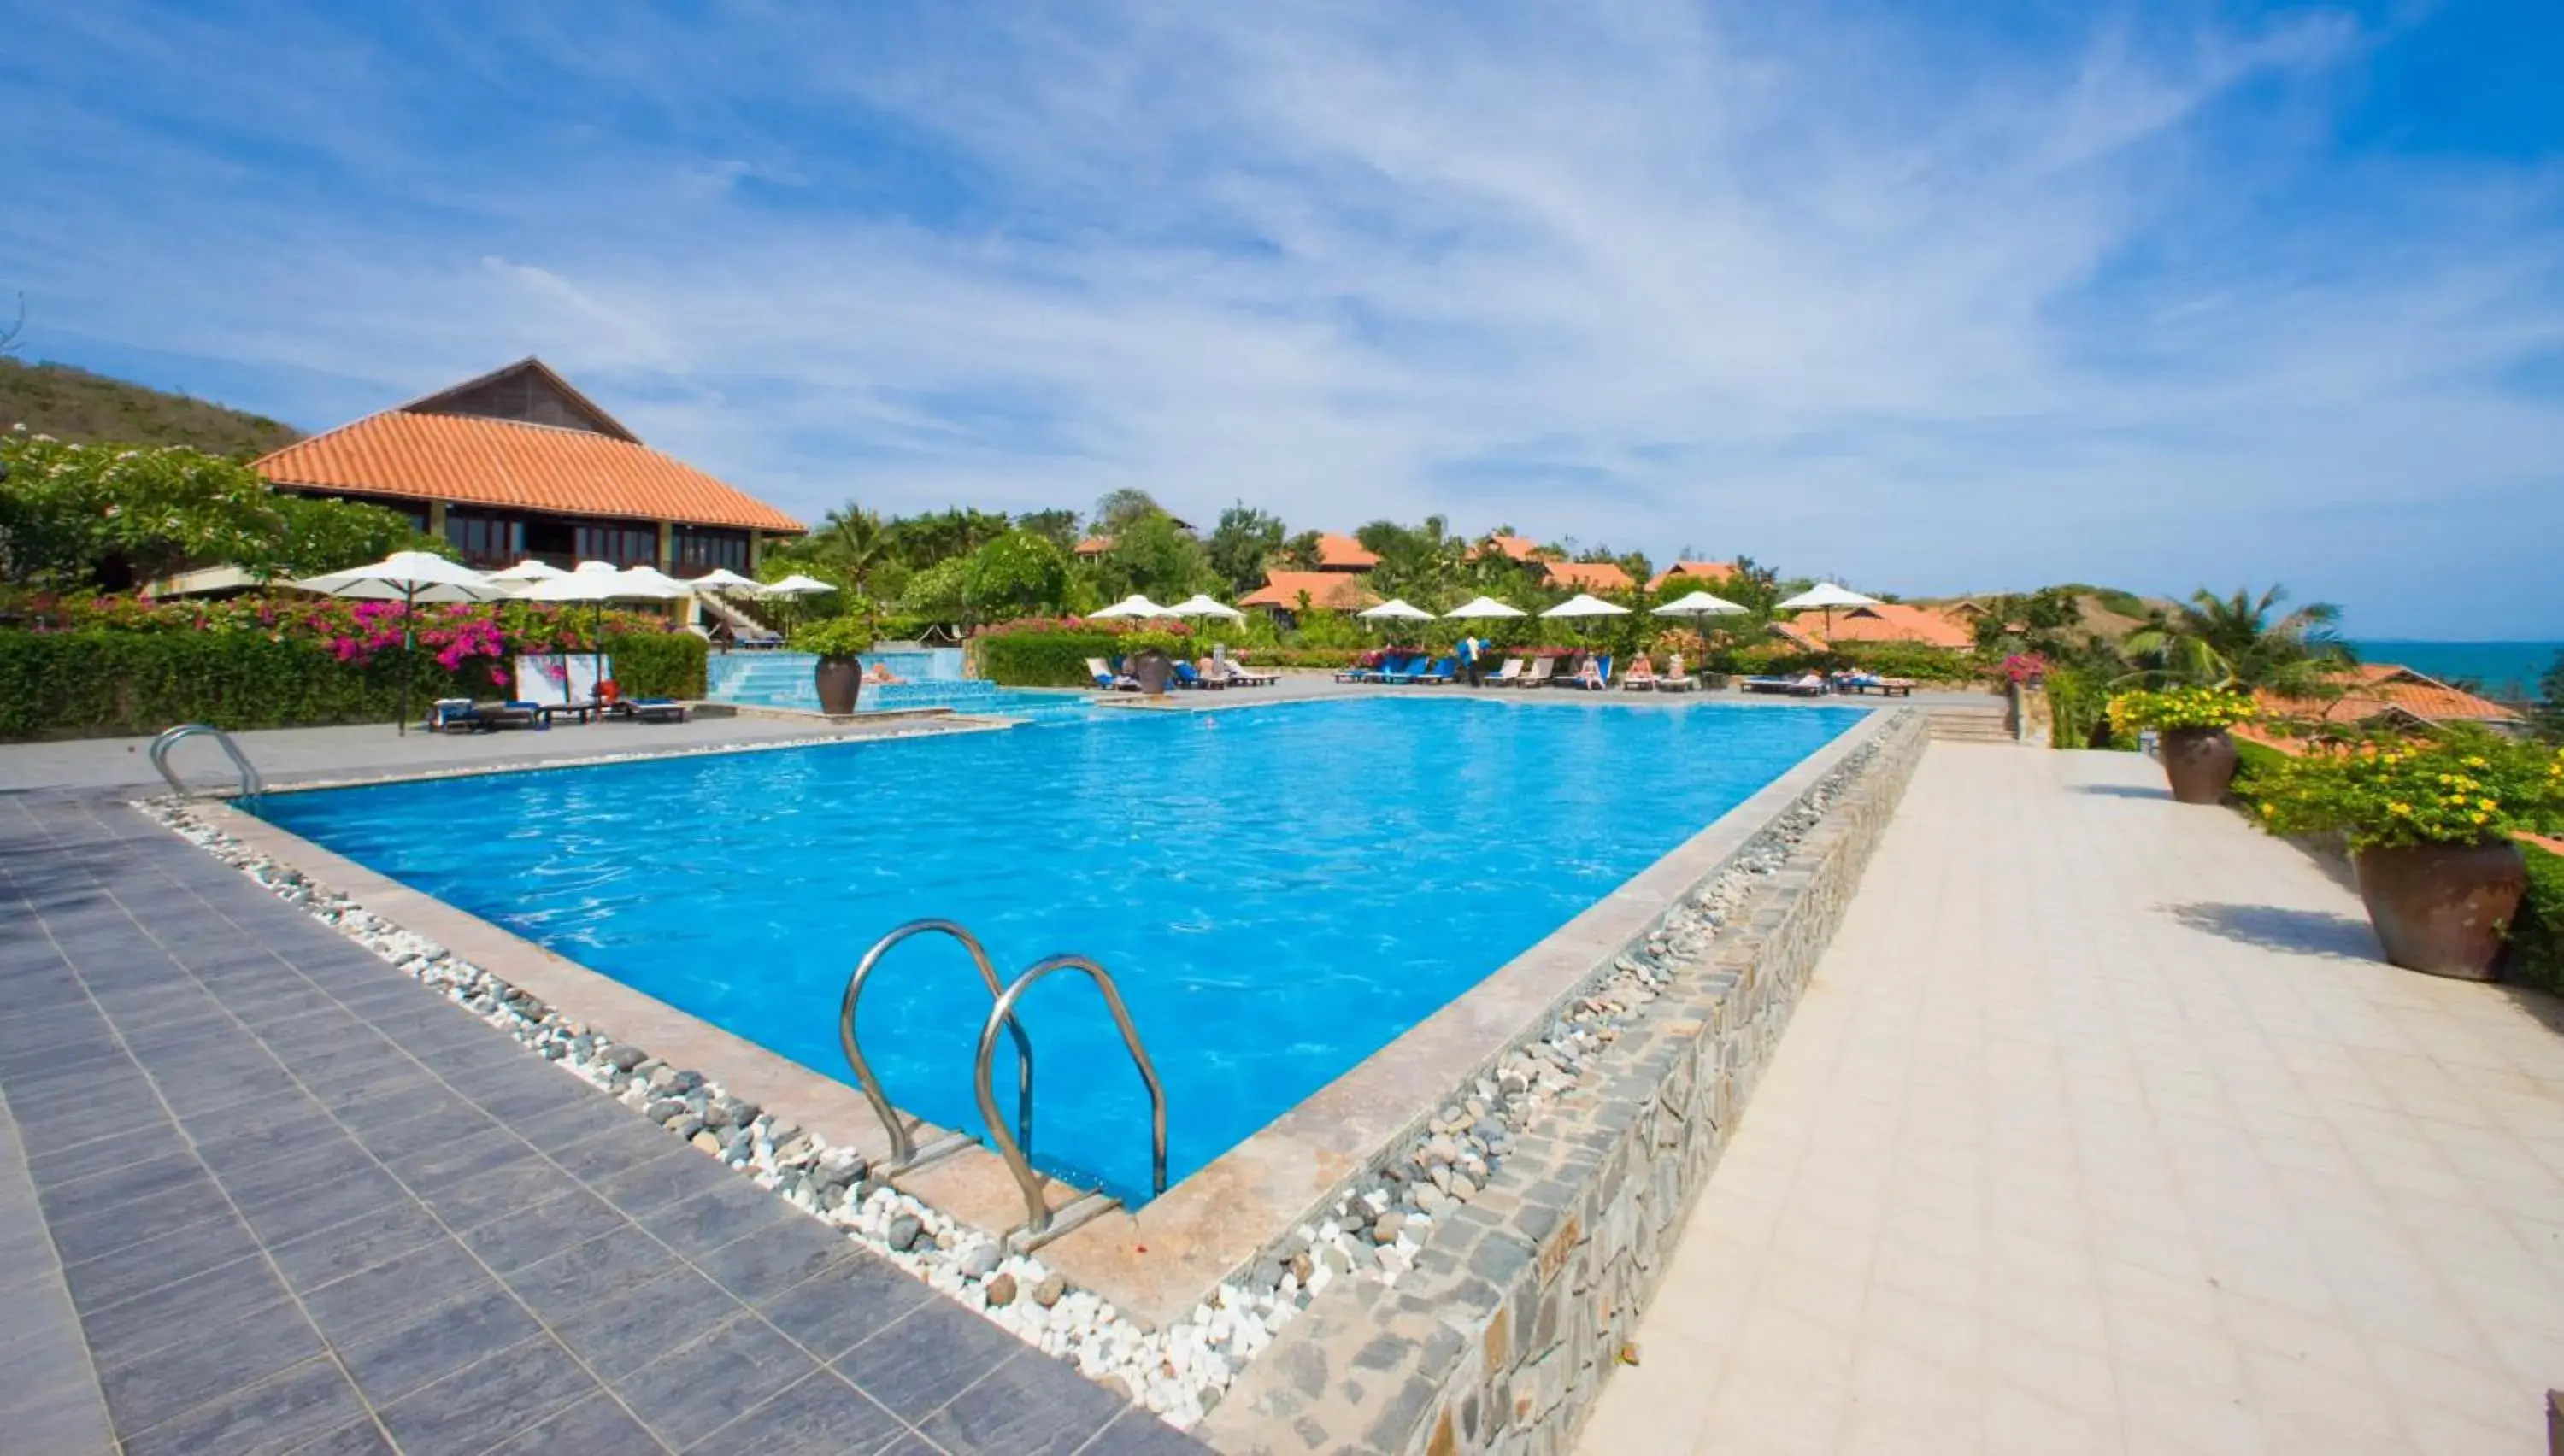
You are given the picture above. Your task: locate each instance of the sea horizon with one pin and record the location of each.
(2509, 670)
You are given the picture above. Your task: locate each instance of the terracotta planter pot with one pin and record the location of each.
(1151, 669)
(2441, 907)
(840, 678)
(2199, 763)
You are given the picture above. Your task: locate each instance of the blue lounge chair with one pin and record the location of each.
(1440, 672)
(1404, 670)
(1109, 681)
(1185, 676)
(1601, 673)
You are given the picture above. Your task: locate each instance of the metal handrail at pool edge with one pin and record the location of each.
(905, 1153)
(1041, 1223)
(252, 785)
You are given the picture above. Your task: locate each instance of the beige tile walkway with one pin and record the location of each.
(2100, 1131)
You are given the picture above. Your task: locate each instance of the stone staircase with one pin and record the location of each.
(1987, 725)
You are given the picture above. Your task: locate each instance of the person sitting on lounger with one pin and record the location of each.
(1641, 674)
(1589, 674)
(880, 673)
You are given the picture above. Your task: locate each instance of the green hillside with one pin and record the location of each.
(77, 405)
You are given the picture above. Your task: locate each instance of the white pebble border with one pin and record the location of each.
(1374, 1231)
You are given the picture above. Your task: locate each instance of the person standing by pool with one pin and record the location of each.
(1470, 648)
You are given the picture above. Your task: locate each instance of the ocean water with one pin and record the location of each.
(1280, 892)
(2506, 669)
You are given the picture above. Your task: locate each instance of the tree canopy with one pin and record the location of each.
(112, 517)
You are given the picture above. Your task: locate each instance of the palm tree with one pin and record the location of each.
(2233, 642)
(849, 546)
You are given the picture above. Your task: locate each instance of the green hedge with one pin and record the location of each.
(71, 684)
(1042, 659)
(2537, 937)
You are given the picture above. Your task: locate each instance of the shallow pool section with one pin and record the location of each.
(1281, 891)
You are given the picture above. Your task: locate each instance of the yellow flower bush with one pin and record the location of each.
(2180, 708)
(2463, 785)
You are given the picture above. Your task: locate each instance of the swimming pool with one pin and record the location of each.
(1280, 891)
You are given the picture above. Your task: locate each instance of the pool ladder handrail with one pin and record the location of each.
(252, 785)
(903, 1151)
(1042, 1223)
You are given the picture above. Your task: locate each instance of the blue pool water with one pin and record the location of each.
(1280, 891)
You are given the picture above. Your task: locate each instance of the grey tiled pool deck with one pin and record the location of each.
(262, 1193)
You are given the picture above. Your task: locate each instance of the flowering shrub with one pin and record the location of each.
(2180, 708)
(2462, 787)
(122, 664)
(2028, 667)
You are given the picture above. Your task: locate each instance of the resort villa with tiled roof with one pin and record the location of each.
(1603, 577)
(1882, 622)
(517, 463)
(1337, 584)
(2385, 690)
(1705, 575)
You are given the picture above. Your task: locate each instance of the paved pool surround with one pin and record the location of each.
(1520, 1303)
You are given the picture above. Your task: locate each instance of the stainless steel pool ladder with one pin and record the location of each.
(251, 784)
(903, 1151)
(1042, 1223)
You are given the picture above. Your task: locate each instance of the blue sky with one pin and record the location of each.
(1930, 297)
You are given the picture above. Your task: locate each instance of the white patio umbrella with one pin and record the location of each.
(409, 577)
(1586, 604)
(1827, 596)
(1395, 609)
(721, 578)
(599, 582)
(525, 573)
(1697, 605)
(1485, 606)
(1199, 604)
(794, 587)
(1133, 607)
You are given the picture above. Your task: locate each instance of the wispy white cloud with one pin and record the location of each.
(1932, 310)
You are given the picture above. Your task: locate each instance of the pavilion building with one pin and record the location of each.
(519, 463)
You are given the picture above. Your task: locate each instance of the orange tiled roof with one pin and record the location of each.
(1520, 549)
(1589, 575)
(1095, 545)
(2383, 687)
(1886, 622)
(468, 460)
(1342, 553)
(1336, 590)
(1710, 572)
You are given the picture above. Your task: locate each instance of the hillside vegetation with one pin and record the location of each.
(84, 408)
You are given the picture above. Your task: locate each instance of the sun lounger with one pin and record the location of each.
(1677, 683)
(1807, 686)
(1439, 672)
(1602, 676)
(1404, 670)
(1234, 675)
(648, 710)
(1357, 672)
(1540, 669)
(1187, 677)
(1508, 674)
(1641, 679)
(1109, 681)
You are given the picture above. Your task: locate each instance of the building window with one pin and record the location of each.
(702, 548)
(622, 544)
(483, 539)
